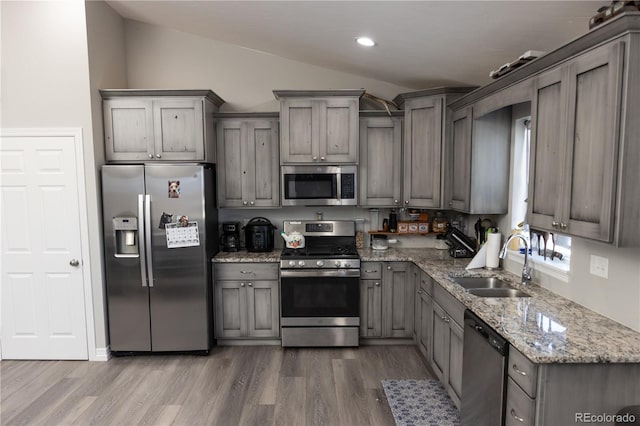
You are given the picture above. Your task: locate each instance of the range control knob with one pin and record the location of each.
(320, 263)
(301, 263)
(337, 263)
(292, 263)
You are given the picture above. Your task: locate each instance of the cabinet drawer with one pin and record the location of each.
(523, 371)
(245, 271)
(371, 270)
(520, 409)
(453, 308)
(426, 283)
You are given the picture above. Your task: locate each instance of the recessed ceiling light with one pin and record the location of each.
(365, 41)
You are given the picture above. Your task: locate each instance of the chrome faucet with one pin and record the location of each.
(526, 271)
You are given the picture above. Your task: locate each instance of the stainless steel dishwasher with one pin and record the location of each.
(483, 373)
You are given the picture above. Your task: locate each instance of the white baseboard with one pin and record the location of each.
(102, 354)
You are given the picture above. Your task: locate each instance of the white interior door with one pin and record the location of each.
(42, 294)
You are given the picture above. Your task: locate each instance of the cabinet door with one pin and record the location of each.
(380, 161)
(546, 159)
(454, 378)
(178, 129)
(459, 161)
(594, 87)
(230, 152)
(422, 152)
(231, 309)
(440, 349)
(370, 308)
(338, 137)
(425, 343)
(263, 309)
(300, 131)
(417, 309)
(128, 129)
(398, 301)
(261, 164)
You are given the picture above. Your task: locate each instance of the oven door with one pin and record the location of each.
(320, 297)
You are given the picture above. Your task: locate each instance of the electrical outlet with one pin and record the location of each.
(599, 266)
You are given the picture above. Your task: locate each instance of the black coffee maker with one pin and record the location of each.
(230, 238)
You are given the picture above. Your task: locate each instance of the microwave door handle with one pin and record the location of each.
(339, 187)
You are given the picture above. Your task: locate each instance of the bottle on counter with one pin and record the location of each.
(440, 223)
(385, 225)
(393, 222)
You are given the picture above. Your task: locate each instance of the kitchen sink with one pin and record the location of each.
(480, 282)
(497, 292)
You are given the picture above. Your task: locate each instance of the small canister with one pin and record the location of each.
(440, 223)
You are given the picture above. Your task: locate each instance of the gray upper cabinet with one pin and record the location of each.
(380, 161)
(574, 145)
(319, 126)
(422, 152)
(172, 125)
(477, 161)
(248, 168)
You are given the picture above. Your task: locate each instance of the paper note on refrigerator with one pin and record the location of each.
(182, 236)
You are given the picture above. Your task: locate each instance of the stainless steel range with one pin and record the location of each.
(320, 290)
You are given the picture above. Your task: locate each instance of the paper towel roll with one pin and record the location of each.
(493, 250)
(130, 238)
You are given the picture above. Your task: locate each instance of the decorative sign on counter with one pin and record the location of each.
(182, 236)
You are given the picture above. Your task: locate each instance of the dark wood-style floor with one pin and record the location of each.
(260, 385)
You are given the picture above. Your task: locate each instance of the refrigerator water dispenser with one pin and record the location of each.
(126, 229)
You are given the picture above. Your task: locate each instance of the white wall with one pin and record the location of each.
(107, 69)
(161, 58)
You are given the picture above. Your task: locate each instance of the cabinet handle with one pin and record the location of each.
(377, 284)
(555, 224)
(419, 292)
(406, 201)
(241, 284)
(244, 203)
(321, 158)
(150, 155)
(513, 414)
(246, 272)
(450, 203)
(370, 271)
(396, 201)
(252, 203)
(445, 319)
(517, 370)
(250, 284)
(158, 156)
(388, 268)
(563, 225)
(315, 158)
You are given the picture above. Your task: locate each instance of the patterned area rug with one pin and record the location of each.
(420, 402)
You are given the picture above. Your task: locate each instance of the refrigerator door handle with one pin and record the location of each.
(141, 240)
(147, 224)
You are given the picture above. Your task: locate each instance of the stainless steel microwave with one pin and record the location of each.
(319, 185)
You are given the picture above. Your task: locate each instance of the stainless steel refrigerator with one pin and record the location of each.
(160, 232)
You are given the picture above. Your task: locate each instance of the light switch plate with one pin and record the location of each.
(599, 266)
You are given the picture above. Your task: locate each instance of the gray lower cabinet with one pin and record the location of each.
(576, 111)
(447, 332)
(319, 126)
(248, 166)
(424, 314)
(380, 182)
(386, 303)
(247, 302)
(555, 394)
(156, 125)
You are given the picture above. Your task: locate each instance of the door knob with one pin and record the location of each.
(150, 155)
(158, 156)
(74, 262)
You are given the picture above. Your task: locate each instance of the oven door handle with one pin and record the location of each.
(301, 273)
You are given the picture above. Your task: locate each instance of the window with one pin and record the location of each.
(548, 249)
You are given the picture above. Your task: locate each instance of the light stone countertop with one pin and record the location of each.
(244, 256)
(546, 327)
